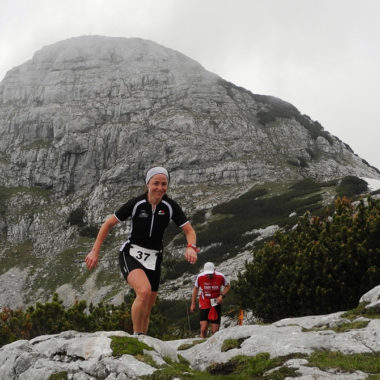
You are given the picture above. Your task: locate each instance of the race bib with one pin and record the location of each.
(213, 302)
(146, 257)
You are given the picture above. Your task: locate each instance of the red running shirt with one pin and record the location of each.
(210, 287)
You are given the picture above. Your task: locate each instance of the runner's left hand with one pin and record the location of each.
(190, 255)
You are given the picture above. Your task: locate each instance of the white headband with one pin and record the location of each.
(154, 171)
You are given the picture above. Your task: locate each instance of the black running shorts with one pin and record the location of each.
(203, 314)
(128, 264)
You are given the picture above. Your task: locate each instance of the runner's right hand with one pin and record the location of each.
(92, 259)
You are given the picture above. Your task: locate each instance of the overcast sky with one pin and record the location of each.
(323, 56)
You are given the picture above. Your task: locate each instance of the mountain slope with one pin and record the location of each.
(82, 121)
(100, 105)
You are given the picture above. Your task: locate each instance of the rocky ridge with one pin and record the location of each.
(89, 355)
(90, 113)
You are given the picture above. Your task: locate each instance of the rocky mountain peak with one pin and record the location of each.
(98, 110)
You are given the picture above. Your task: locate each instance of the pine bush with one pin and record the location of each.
(323, 265)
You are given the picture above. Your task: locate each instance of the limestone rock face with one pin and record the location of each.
(92, 111)
(372, 298)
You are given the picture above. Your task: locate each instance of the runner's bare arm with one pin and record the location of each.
(223, 294)
(194, 296)
(191, 238)
(93, 256)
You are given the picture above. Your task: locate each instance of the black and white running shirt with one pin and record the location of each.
(147, 228)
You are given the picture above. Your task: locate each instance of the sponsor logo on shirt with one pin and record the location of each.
(211, 287)
(161, 212)
(143, 214)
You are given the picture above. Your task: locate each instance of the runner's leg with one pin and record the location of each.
(141, 305)
(214, 327)
(204, 327)
(152, 301)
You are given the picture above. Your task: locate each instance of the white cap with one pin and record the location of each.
(209, 268)
(154, 171)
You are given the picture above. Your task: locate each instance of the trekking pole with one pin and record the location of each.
(188, 318)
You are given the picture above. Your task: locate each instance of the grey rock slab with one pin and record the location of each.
(281, 341)
(371, 296)
(128, 365)
(160, 347)
(313, 321)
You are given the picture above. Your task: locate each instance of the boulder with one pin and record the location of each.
(89, 355)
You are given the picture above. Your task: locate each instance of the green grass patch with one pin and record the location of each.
(366, 362)
(373, 377)
(229, 344)
(238, 368)
(122, 345)
(361, 311)
(186, 346)
(282, 373)
(58, 376)
(243, 367)
(171, 370)
(347, 326)
(147, 359)
(246, 366)
(350, 326)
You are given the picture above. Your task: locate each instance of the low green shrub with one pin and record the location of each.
(89, 231)
(351, 186)
(322, 266)
(52, 318)
(76, 217)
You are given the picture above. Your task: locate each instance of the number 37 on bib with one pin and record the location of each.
(146, 257)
